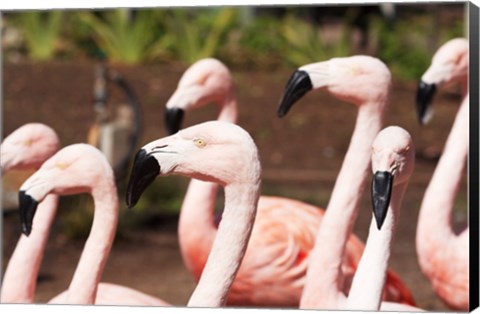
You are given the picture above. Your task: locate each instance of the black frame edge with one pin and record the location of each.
(473, 187)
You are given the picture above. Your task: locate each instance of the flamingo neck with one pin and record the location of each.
(337, 223)
(20, 277)
(228, 109)
(434, 229)
(196, 229)
(367, 286)
(83, 288)
(229, 246)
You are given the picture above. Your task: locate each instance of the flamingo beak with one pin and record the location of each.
(425, 94)
(173, 119)
(298, 85)
(28, 207)
(145, 170)
(381, 192)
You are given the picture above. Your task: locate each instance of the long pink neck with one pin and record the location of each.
(434, 230)
(369, 280)
(323, 282)
(228, 110)
(196, 229)
(20, 277)
(229, 246)
(83, 288)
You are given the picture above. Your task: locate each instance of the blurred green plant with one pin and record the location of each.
(254, 44)
(41, 32)
(304, 42)
(457, 29)
(125, 35)
(197, 34)
(402, 46)
(239, 37)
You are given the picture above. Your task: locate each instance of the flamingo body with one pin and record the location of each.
(285, 232)
(112, 294)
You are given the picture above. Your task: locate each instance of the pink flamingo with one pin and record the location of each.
(27, 148)
(273, 270)
(393, 157)
(443, 255)
(363, 81)
(219, 152)
(77, 169)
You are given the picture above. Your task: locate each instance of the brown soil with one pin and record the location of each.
(301, 155)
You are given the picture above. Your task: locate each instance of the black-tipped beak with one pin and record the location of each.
(173, 119)
(425, 94)
(298, 85)
(145, 170)
(381, 192)
(28, 207)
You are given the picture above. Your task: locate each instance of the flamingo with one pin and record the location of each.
(26, 149)
(393, 158)
(273, 270)
(365, 82)
(75, 169)
(443, 255)
(219, 152)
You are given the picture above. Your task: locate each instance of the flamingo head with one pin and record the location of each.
(74, 169)
(393, 159)
(359, 80)
(28, 147)
(449, 65)
(213, 151)
(206, 81)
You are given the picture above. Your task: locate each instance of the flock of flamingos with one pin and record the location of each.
(298, 255)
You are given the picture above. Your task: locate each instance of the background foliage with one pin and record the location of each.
(241, 36)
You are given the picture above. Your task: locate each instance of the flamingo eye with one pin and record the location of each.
(199, 142)
(61, 165)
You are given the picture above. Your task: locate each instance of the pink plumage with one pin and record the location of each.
(27, 148)
(443, 255)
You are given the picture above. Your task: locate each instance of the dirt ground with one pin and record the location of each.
(301, 155)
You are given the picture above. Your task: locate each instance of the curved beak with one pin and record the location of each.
(381, 192)
(27, 206)
(145, 170)
(173, 119)
(298, 85)
(425, 94)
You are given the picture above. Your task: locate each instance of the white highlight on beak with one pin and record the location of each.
(437, 73)
(319, 73)
(36, 189)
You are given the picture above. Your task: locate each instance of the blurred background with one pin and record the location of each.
(81, 71)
